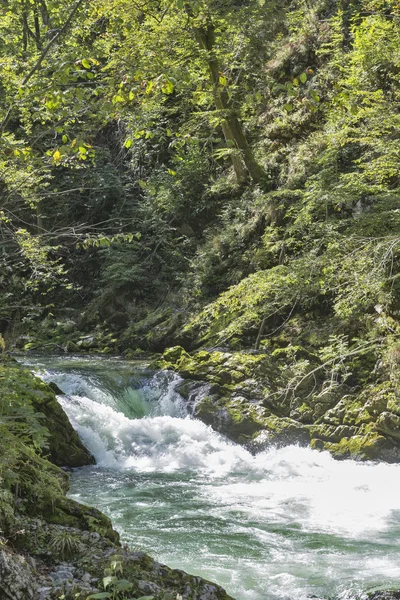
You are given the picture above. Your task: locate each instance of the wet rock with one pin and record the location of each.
(88, 342)
(234, 393)
(383, 595)
(70, 346)
(53, 386)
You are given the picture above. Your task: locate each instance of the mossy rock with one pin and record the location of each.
(64, 445)
(240, 403)
(370, 446)
(69, 513)
(72, 347)
(149, 576)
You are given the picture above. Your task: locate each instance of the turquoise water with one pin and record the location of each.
(285, 523)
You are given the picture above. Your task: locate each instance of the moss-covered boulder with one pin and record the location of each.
(238, 394)
(20, 387)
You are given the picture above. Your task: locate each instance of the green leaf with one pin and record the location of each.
(303, 77)
(99, 596)
(123, 585)
(86, 63)
(65, 139)
(314, 95)
(128, 143)
(109, 579)
(288, 107)
(167, 87)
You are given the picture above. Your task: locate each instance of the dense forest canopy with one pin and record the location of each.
(200, 172)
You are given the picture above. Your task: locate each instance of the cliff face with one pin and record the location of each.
(50, 545)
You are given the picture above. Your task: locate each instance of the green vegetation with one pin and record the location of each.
(112, 580)
(30, 484)
(215, 181)
(208, 174)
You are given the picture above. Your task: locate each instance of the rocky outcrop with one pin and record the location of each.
(17, 578)
(68, 559)
(237, 394)
(64, 445)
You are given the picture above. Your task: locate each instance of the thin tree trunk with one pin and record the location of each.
(244, 162)
(24, 32)
(260, 334)
(37, 27)
(39, 219)
(45, 13)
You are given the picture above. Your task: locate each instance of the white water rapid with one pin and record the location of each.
(286, 523)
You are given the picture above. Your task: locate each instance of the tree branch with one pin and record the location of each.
(43, 55)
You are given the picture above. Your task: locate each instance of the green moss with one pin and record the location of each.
(246, 403)
(68, 513)
(19, 387)
(366, 447)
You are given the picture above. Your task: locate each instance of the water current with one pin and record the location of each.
(285, 523)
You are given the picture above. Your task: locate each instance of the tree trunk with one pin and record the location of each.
(44, 13)
(244, 162)
(37, 27)
(24, 32)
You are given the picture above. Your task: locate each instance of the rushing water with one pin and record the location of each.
(286, 523)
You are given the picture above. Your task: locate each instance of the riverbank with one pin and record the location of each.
(240, 395)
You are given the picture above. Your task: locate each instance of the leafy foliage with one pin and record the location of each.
(27, 480)
(117, 587)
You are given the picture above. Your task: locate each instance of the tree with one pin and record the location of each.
(242, 156)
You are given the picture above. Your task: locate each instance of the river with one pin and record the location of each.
(288, 523)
